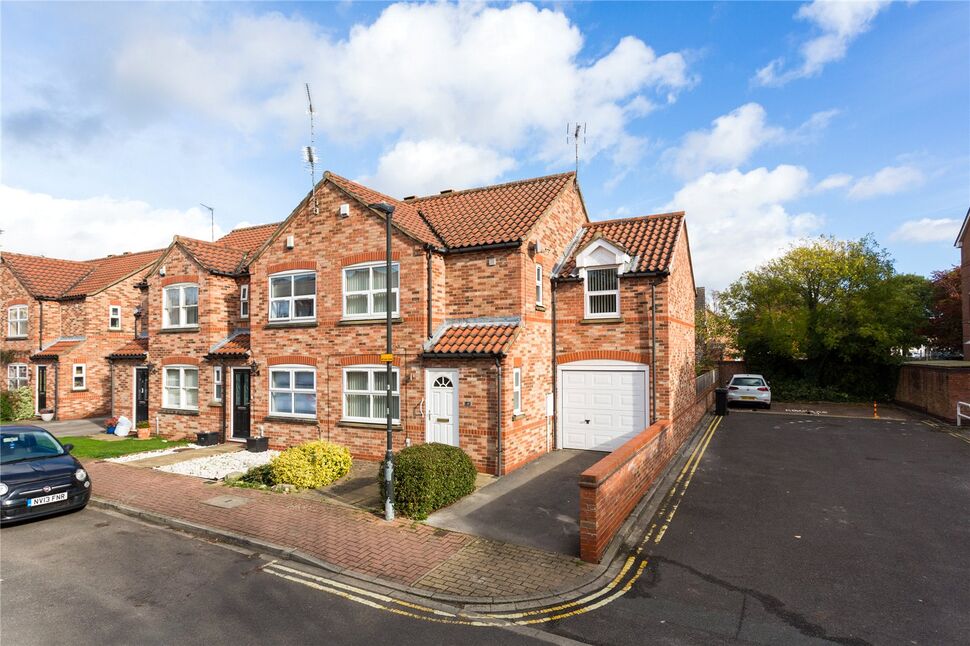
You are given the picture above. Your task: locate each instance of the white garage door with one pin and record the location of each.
(602, 409)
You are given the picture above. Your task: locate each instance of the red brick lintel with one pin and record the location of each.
(17, 301)
(367, 360)
(614, 355)
(292, 360)
(291, 265)
(368, 256)
(181, 278)
(180, 360)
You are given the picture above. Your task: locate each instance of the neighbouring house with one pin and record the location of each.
(62, 318)
(508, 305)
(963, 242)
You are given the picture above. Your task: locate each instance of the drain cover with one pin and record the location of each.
(226, 502)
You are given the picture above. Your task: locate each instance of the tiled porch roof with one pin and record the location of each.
(234, 346)
(56, 349)
(473, 338)
(134, 349)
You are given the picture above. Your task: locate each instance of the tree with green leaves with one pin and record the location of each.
(833, 313)
(943, 329)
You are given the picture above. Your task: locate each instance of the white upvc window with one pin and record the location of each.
(602, 293)
(180, 306)
(217, 383)
(516, 391)
(538, 284)
(16, 376)
(181, 388)
(365, 394)
(244, 301)
(293, 296)
(365, 289)
(114, 317)
(293, 391)
(79, 372)
(17, 321)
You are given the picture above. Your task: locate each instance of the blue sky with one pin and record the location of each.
(766, 122)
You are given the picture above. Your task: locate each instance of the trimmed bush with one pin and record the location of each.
(428, 477)
(311, 465)
(16, 404)
(259, 475)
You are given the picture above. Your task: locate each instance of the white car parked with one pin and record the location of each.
(749, 389)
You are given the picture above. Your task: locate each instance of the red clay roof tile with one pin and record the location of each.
(650, 239)
(406, 216)
(57, 348)
(491, 338)
(237, 345)
(56, 278)
(134, 349)
(213, 255)
(249, 238)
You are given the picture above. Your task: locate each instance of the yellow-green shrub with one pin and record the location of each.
(311, 465)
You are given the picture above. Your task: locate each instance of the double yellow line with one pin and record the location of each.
(631, 571)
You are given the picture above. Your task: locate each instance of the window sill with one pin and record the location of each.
(115, 329)
(308, 421)
(16, 338)
(540, 308)
(215, 402)
(368, 425)
(79, 390)
(178, 411)
(289, 324)
(517, 416)
(603, 320)
(374, 321)
(178, 330)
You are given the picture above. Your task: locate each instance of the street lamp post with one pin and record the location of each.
(388, 359)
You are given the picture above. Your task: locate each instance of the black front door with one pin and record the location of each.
(240, 404)
(141, 394)
(41, 387)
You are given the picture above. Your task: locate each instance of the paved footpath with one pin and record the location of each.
(404, 552)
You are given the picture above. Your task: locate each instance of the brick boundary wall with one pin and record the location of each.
(610, 489)
(934, 390)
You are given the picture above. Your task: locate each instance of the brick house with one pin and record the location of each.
(509, 304)
(963, 242)
(62, 318)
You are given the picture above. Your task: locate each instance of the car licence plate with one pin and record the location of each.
(44, 500)
(746, 397)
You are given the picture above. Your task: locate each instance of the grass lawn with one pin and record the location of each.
(89, 447)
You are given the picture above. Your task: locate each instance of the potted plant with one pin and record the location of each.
(46, 414)
(143, 429)
(109, 425)
(257, 444)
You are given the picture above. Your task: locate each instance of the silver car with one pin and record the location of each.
(749, 389)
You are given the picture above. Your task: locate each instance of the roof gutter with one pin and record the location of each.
(461, 355)
(482, 247)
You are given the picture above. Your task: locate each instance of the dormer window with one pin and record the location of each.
(600, 265)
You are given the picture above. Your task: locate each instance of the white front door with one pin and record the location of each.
(441, 414)
(602, 406)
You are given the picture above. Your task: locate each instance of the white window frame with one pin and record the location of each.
(244, 301)
(217, 389)
(293, 390)
(114, 312)
(292, 275)
(167, 324)
(538, 284)
(516, 391)
(371, 312)
(182, 388)
(14, 378)
(14, 323)
(587, 294)
(372, 392)
(82, 373)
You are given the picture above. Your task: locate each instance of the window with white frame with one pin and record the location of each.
(538, 284)
(293, 296)
(80, 376)
(516, 390)
(16, 376)
(602, 293)
(181, 390)
(365, 394)
(244, 301)
(365, 288)
(114, 317)
(217, 383)
(180, 306)
(293, 391)
(17, 321)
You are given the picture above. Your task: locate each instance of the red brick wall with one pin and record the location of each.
(933, 389)
(610, 489)
(13, 293)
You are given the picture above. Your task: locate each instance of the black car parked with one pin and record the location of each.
(38, 475)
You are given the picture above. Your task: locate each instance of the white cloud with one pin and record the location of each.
(431, 165)
(839, 22)
(837, 180)
(927, 230)
(734, 137)
(889, 180)
(739, 220)
(39, 224)
(506, 79)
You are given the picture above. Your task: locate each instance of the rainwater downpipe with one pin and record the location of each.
(40, 334)
(555, 370)
(498, 448)
(226, 381)
(427, 253)
(653, 352)
(111, 380)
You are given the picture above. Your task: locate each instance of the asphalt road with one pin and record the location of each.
(792, 530)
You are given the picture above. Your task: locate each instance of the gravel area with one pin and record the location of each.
(215, 467)
(144, 455)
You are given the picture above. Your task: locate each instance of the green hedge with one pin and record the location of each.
(16, 404)
(428, 477)
(311, 465)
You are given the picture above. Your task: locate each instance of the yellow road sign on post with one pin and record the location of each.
(387, 358)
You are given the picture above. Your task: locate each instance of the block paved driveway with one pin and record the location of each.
(808, 530)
